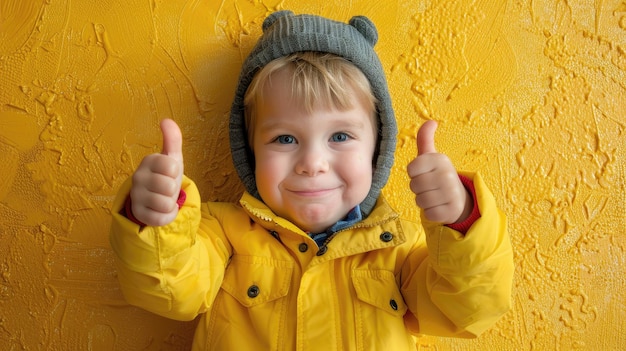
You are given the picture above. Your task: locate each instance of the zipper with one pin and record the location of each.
(257, 213)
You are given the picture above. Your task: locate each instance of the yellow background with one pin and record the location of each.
(531, 93)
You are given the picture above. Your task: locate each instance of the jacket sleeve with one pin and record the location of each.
(463, 285)
(174, 270)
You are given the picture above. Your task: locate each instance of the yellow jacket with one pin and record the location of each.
(261, 283)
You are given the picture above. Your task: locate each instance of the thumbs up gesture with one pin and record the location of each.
(157, 180)
(435, 182)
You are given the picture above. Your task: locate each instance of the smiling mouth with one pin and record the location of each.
(312, 192)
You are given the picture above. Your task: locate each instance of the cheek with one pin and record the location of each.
(357, 168)
(268, 171)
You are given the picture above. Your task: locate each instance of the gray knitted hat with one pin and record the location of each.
(285, 33)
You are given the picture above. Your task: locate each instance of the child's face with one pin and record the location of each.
(311, 168)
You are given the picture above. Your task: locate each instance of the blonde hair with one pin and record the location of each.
(320, 80)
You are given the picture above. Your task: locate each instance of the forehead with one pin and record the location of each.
(281, 92)
(280, 114)
(279, 86)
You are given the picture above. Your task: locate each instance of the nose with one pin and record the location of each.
(312, 162)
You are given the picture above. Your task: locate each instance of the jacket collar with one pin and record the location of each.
(382, 218)
(259, 211)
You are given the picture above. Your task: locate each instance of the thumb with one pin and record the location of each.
(172, 140)
(426, 138)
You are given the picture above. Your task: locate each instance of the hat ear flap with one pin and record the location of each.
(366, 27)
(271, 19)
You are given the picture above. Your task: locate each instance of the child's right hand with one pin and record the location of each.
(157, 180)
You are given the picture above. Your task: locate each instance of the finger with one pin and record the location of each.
(438, 214)
(425, 164)
(445, 213)
(426, 138)
(161, 203)
(157, 164)
(163, 185)
(423, 183)
(172, 140)
(154, 218)
(151, 208)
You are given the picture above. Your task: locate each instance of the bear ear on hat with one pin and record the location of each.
(366, 27)
(271, 19)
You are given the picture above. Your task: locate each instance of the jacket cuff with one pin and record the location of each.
(464, 226)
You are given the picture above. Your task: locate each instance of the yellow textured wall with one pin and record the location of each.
(532, 93)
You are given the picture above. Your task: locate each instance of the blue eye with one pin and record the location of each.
(339, 137)
(286, 139)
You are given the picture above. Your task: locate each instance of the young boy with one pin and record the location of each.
(312, 257)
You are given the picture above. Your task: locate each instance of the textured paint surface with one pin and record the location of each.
(532, 93)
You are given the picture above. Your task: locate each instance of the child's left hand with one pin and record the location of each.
(435, 182)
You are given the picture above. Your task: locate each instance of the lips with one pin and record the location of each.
(312, 191)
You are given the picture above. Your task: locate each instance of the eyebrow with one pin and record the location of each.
(267, 124)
